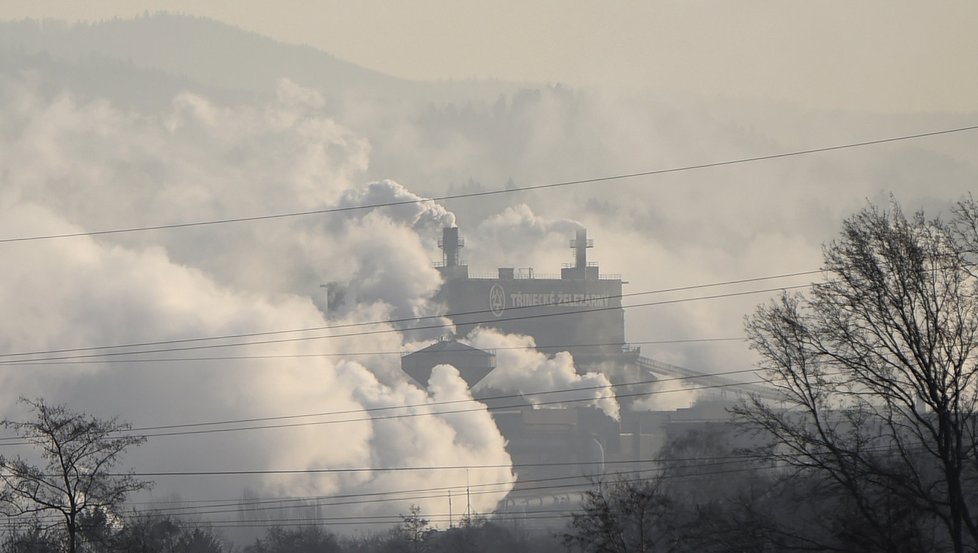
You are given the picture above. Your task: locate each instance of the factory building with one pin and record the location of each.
(472, 364)
(580, 312)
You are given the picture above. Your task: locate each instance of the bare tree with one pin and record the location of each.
(78, 451)
(879, 368)
(414, 531)
(626, 516)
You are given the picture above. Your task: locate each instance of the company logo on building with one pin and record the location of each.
(497, 300)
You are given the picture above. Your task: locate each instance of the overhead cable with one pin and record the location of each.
(561, 184)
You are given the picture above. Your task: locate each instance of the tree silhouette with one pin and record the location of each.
(879, 368)
(626, 516)
(78, 451)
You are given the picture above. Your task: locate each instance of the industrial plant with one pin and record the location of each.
(579, 312)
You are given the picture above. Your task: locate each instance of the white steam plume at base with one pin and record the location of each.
(522, 369)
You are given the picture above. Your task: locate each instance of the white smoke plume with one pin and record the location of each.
(520, 368)
(101, 168)
(69, 166)
(425, 216)
(668, 395)
(519, 237)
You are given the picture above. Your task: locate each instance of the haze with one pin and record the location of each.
(114, 115)
(877, 55)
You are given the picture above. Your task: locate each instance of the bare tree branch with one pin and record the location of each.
(78, 451)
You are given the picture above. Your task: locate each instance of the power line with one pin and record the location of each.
(440, 403)
(378, 353)
(264, 504)
(662, 466)
(479, 408)
(36, 361)
(699, 462)
(269, 504)
(663, 472)
(428, 405)
(402, 320)
(450, 402)
(392, 330)
(560, 184)
(359, 498)
(667, 467)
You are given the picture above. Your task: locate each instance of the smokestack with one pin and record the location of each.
(581, 244)
(451, 260)
(580, 270)
(450, 244)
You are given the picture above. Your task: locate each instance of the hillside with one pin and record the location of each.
(167, 50)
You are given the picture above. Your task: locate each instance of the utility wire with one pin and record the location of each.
(560, 184)
(37, 361)
(458, 401)
(378, 353)
(481, 407)
(264, 504)
(260, 504)
(568, 488)
(392, 330)
(376, 497)
(434, 403)
(663, 465)
(401, 320)
(449, 402)
(442, 403)
(269, 503)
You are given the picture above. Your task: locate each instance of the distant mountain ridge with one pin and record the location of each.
(208, 52)
(218, 56)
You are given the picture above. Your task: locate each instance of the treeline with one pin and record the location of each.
(707, 493)
(712, 491)
(160, 533)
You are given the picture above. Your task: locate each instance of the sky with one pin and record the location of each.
(879, 55)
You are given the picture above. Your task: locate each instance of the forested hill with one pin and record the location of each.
(211, 54)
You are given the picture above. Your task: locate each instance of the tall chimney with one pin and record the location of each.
(450, 245)
(581, 245)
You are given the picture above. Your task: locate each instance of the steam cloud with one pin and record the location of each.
(522, 369)
(72, 167)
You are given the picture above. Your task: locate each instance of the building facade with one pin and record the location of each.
(580, 312)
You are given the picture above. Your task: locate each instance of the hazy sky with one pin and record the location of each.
(886, 55)
(83, 149)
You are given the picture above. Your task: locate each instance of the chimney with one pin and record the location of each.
(450, 245)
(581, 244)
